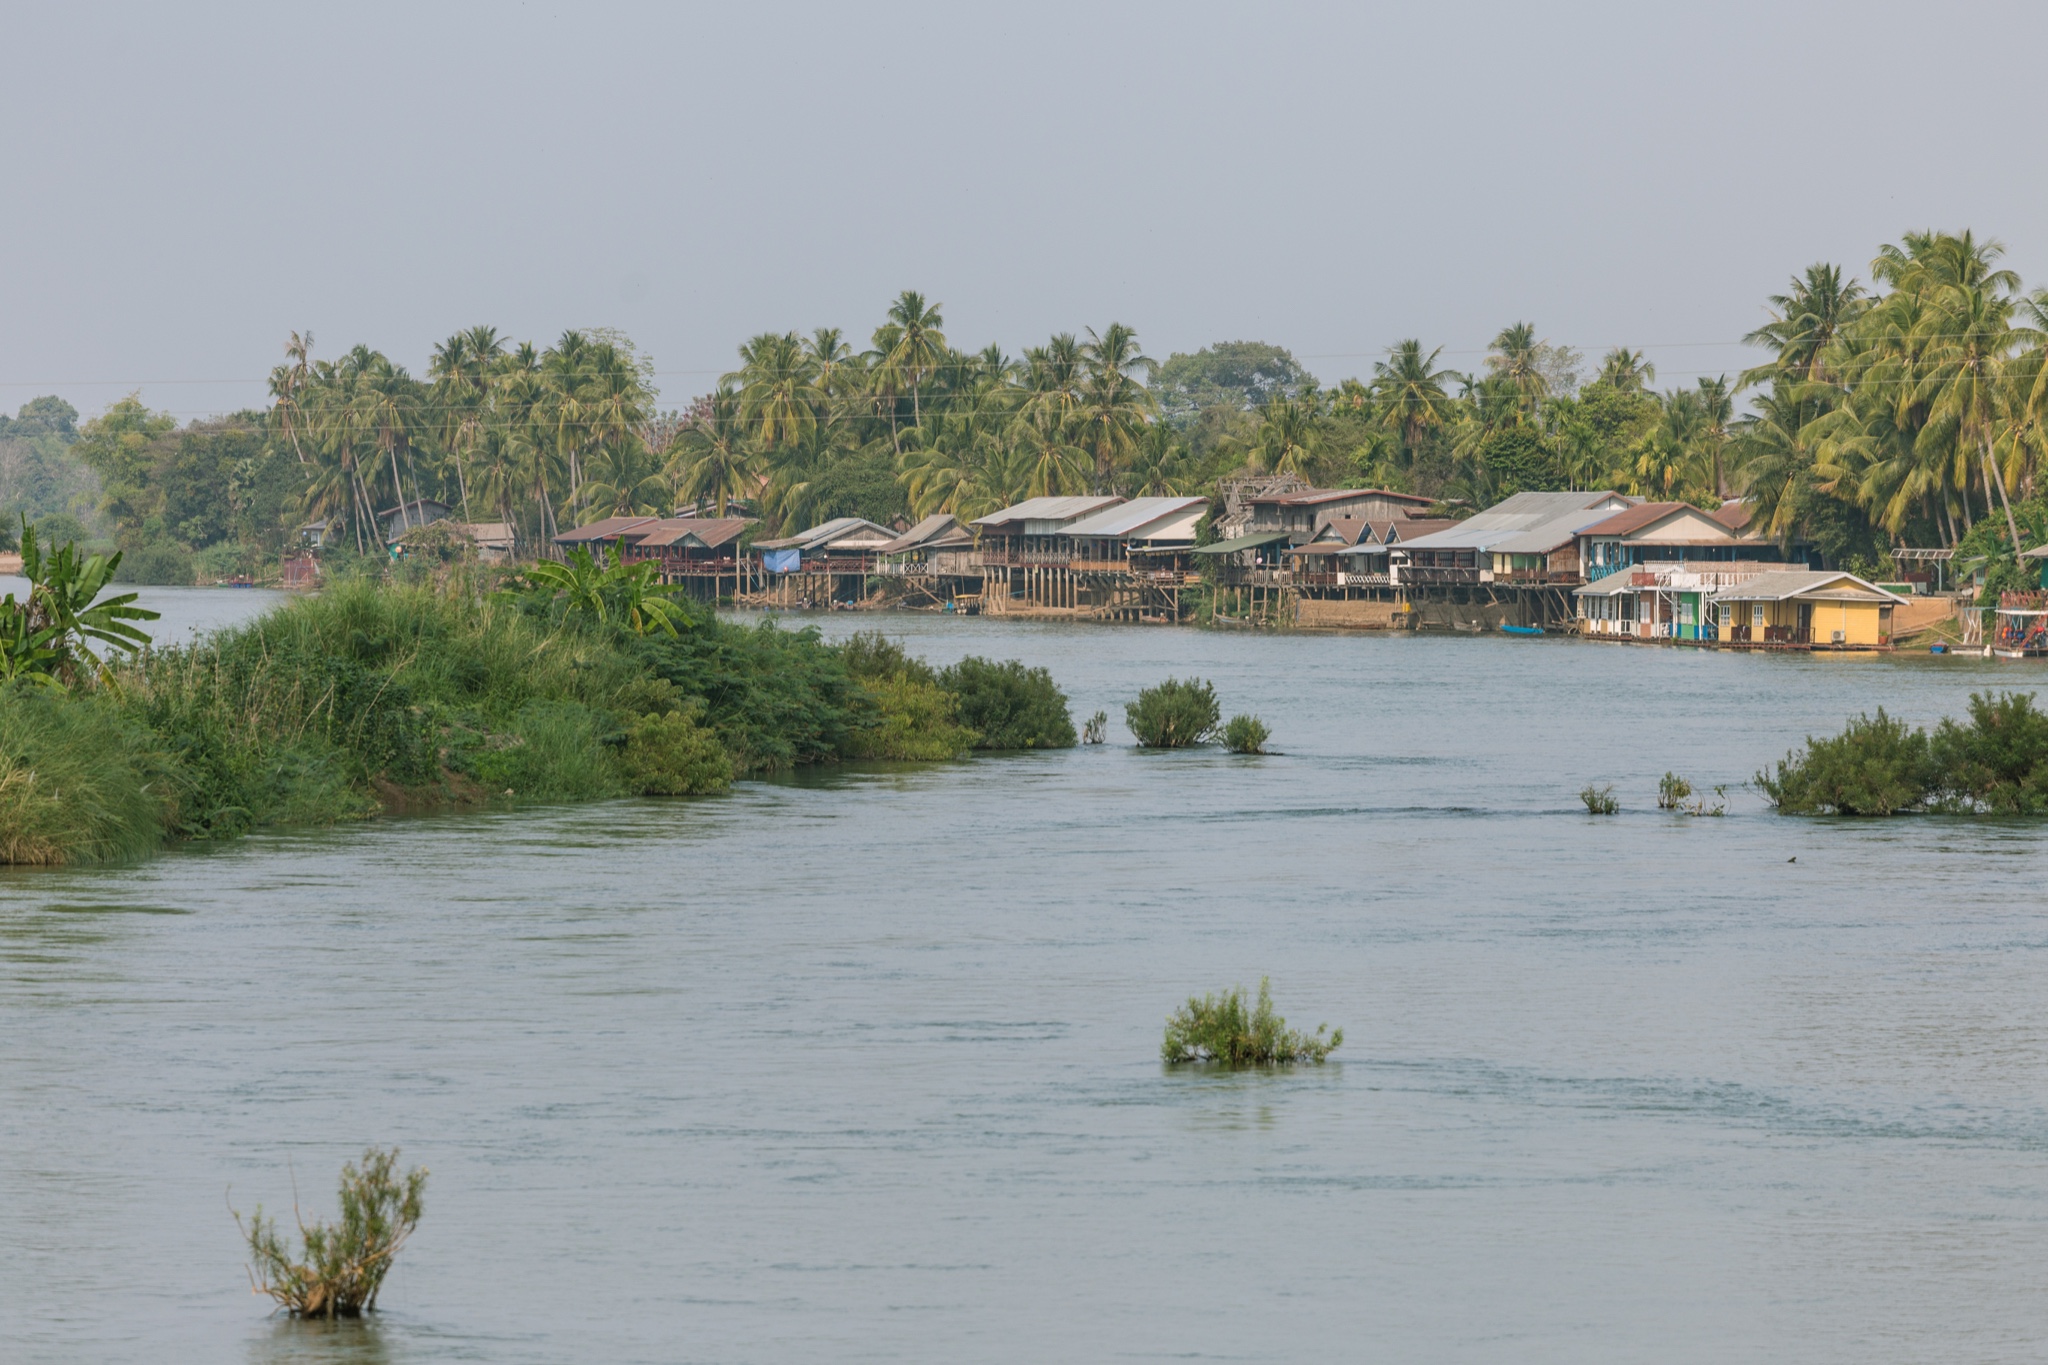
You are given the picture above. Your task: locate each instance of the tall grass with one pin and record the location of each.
(79, 780)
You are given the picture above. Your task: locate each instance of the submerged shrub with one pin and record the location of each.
(1010, 706)
(913, 720)
(342, 1265)
(1096, 730)
(871, 656)
(79, 780)
(1215, 1028)
(1672, 791)
(1998, 763)
(1599, 800)
(1174, 715)
(1246, 735)
(1875, 766)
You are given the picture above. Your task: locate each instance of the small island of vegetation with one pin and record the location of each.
(570, 682)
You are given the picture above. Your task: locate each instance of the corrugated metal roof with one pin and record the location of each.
(1313, 496)
(940, 528)
(1136, 515)
(1048, 509)
(710, 531)
(1788, 584)
(1536, 515)
(608, 529)
(1236, 543)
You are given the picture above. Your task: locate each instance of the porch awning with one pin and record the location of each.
(1236, 543)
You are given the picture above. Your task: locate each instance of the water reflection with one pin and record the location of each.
(341, 1341)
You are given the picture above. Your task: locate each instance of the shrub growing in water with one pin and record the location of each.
(1998, 763)
(1010, 706)
(1875, 766)
(1174, 715)
(1672, 791)
(1246, 735)
(342, 1265)
(1599, 800)
(1220, 1029)
(1097, 728)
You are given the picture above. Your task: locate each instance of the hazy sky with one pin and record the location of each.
(185, 184)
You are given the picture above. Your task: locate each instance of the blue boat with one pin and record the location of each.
(1521, 630)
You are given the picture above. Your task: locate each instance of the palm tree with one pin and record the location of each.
(1410, 392)
(1114, 402)
(1805, 323)
(713, 459)
(1287, 434)
(287, 382)
(778, 398)
(1517, 358)
(919, 344)
(1627, 371)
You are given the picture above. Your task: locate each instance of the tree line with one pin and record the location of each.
(1905, 411)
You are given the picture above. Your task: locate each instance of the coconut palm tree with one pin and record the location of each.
(1517, 357)
(1805, 322)
(1287, 434)
(1627, 371)
(778, 397)
(1410, 393)
(1114, 403)
(918, 343)
(713, 459)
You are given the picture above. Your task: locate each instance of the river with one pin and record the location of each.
(862, 1065)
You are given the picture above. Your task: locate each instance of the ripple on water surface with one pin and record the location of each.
(862, 1065)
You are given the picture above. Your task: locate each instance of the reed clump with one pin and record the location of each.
(1221, 1028)
(340, 1266)
(1600, 800)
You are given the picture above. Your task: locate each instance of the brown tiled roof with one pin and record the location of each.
(1416, 527)
(1635, 518)
(713, 531)
(1735, 514)
(611, 528)
(1351, 529)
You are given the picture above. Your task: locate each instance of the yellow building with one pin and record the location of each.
(1806, 609)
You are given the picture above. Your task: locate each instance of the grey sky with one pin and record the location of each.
(186, 184)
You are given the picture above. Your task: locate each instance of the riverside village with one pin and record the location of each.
(1274, 551)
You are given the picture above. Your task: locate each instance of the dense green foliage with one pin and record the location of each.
(48, 637)
(341, 1265)
(39, 478)
(1010, 706)
(1174, 715)
(1246, 735)
(1995, 764)
(1912, 410)
(1220, 1028)
(80, 780)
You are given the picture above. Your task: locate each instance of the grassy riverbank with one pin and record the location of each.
(372, 698)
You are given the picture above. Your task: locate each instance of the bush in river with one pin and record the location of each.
(1174, 715)
(1996, 764)
(1215, 1028)
(1010, 706)
(341, 1265)
(1599, 800)
(1672, 791)
(1246, 735)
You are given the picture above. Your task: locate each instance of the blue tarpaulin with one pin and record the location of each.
(781, 561)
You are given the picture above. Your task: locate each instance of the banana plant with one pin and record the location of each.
(621, 594)
(52, 633)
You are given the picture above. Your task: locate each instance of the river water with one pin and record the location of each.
(863, 1065)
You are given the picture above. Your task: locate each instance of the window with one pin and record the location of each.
(1757, 616)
